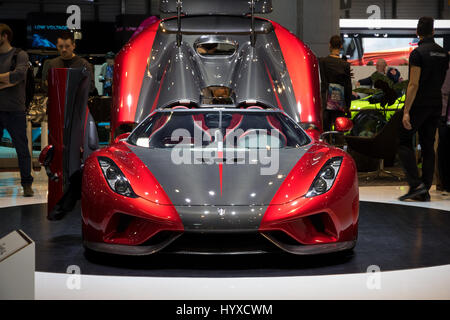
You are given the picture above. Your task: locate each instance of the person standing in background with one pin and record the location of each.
(67, 59)
(428, 64)
(444, 138)
(106, 74)
(13, 71)
(336, 84)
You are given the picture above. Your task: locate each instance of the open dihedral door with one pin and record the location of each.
(216, 7)
(72, 137)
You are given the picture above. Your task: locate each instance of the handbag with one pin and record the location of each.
(335, 97)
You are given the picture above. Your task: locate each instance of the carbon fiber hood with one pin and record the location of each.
(240, 182)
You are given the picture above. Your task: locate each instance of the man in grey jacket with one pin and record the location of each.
(12, 103)
(67, 59)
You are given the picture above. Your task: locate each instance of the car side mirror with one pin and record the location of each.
(45, 158)
(46, 155)
(343, 124)
(122, 137)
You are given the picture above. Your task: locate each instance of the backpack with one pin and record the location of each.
(29, 84)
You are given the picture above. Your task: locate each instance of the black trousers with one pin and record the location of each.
(444, 155)
(16, 124)
(424, 120)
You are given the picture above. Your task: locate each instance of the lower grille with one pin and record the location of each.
(221, 243)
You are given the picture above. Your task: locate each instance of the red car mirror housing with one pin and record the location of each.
(343, 124)
(122, 136)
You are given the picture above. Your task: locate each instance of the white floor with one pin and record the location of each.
(427, 283)
(11, 192)
(389, 194)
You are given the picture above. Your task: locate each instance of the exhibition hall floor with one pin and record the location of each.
(408, 242)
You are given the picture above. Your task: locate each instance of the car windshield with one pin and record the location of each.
(240, 128)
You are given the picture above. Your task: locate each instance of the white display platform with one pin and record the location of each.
(17, 266)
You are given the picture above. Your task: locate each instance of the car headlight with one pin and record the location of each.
(115, 178)
(325, 178)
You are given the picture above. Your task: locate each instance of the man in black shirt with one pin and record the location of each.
(13, 73)
(336, 84)
(444, 139)
(428, 65)
(67, 59)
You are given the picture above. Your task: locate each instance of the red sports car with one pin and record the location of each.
(225, 155)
